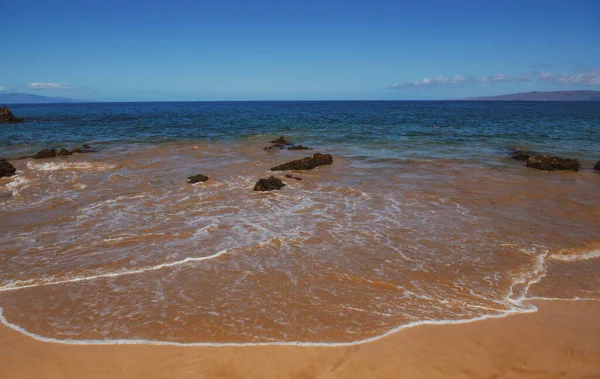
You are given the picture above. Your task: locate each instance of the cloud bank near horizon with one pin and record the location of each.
(583, 77)
(44, 86)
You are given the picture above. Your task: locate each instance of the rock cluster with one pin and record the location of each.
(197, 178)
(551, 163)
(6, 169)
(7, 117)
(270, 184)
(53, 153)
(307, 163)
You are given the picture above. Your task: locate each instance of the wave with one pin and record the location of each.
(55, 166)
(582, 253)
(16, 284)
(22, 330)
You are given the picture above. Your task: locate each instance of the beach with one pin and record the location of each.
(409, 252)
(561, 339)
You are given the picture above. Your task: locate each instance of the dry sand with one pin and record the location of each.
(561, 340)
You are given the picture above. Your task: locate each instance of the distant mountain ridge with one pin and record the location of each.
(29, 98)
(544, 96)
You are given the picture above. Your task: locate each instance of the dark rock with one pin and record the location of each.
(307, 163)
(550, 163)
(299, 147)
(521, 155)
(293, 177)
(597, 166)
(270, 184)
(64, 152)
(46, 153)
(282, 140)
(83, 149)
(7, 117)
(197, 178)
(6, 169)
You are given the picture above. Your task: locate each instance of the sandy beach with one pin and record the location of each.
(561, 339)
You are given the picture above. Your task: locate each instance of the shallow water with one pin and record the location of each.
(115, 245)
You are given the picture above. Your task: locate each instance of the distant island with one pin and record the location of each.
(544, 96)
(28, 98)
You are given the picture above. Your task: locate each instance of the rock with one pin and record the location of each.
(270, 184)
(299, 147)
(6, 117)
(597, 166)
(521, 155)
(83, 149)
(307, 163)
(274, 146)
(293, 177)
(282, 140)
(46, 153)
(550, 163)
(6, 169)
(197, 178)
(64, 152)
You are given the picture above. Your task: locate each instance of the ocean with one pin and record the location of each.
(422, 218)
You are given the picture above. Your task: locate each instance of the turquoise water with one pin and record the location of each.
(480, 131)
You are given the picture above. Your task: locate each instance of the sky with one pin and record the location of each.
(132, 50)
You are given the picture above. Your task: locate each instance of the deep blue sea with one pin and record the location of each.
(399, 129)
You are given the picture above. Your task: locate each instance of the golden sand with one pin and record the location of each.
(561, 340)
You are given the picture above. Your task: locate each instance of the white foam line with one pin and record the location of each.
(115, 274)
(21, 330)
(561, 298)
(521, 308)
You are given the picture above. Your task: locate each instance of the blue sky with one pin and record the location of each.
(297, 50)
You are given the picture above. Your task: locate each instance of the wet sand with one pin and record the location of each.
(561, 339)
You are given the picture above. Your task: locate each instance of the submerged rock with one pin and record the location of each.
(197, 178)
(299, 147)
(83, 149)
(6, 169)
(270, 184)
(282, 140)
(550, 163)
(46, 153)
(597, 166)
(293, 177)
(7, 117)
(307, 163)
(521, 155)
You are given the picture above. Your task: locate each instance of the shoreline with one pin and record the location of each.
(561, 338)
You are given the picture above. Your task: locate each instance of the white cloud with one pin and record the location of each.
(456, 80)
(588, 78)
(1, 89)
(498, 78)
(41, 86)
(525, 77)
(583, 77)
